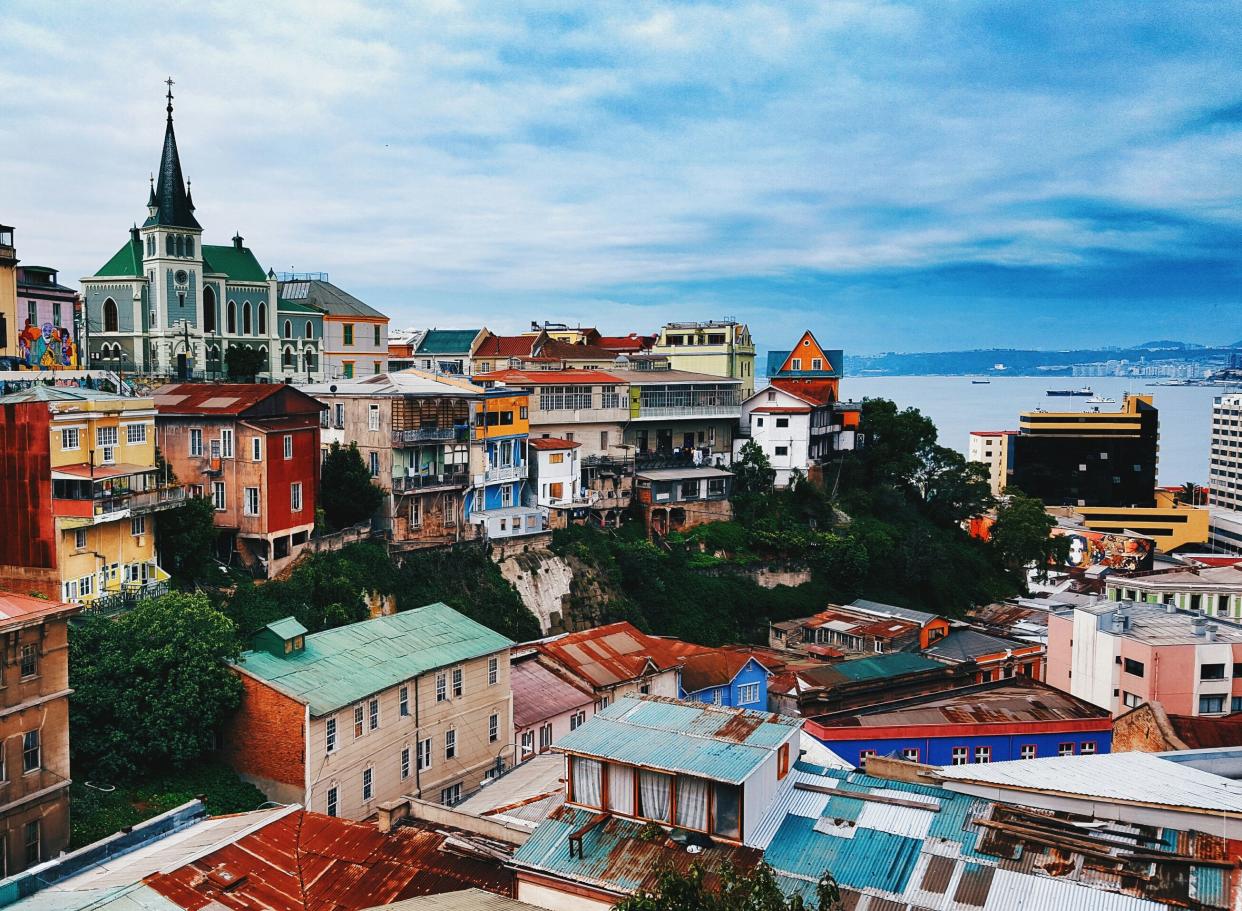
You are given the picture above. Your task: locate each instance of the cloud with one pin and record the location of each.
(629, 163)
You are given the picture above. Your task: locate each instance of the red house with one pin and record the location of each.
(253, 450)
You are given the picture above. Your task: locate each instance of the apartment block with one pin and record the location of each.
(717, 347)
(81, 489)
(341, 721)
(991, 447)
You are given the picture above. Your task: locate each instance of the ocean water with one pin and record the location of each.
(957, 407)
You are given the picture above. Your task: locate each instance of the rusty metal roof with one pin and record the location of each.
(611, 654)
(540, 694)
(18, 610)
(713, 667)
(305, 861)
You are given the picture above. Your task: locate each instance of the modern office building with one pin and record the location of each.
(1225, 473)
(1088, 458)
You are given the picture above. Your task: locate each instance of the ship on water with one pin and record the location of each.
(1085, 391)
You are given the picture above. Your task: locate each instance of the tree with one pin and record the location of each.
(346, 491)
(952, 488)
(1191, 494)
(894, 443)
(186, 537)
(151, 688)
(752, 472)
(727, 888)
(1022, 534)
(243, 363)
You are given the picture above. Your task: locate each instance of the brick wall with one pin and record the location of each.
(1143, 730)
(264, 741)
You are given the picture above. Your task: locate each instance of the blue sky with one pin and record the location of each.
(897, 176)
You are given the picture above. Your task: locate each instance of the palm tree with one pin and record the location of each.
(1191, 494)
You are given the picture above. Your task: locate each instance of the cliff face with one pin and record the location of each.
(564, 593)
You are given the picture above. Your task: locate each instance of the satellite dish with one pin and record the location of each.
(332, 388)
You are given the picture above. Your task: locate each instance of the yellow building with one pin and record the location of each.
(80, 485)
(719, 348)
(1170, 526)
(9, 327)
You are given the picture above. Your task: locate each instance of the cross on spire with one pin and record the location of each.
(169, 82)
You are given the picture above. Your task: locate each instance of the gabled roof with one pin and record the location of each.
(343, 665)
(892, 610)
(18, 610)
(125, 263)
(969, 644)
(540, 694)
(328, 298)
(284, 305)
(41, 393)
(236, 399)
(607, 655)
(238, 263)
(714, 667)
(491, 345)
(547, 377)
(569, 351)
(813, 392)
(627, 343)
(447, 341)
(691, 738)
(780, 363)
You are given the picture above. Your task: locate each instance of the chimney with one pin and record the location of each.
(237, 240)
(1210, 632)
(1170, 607)
(1196, 626)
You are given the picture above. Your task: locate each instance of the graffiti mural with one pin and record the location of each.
(1116, 551)
(46, 347)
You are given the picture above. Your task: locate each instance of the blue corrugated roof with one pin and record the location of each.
(343, 665)
(695, 738)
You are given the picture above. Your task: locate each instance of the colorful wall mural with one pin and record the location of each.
(46, 347)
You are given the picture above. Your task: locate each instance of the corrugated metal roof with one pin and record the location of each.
(892, 610)
(540, 694)
(464, 900)
(1126, 777)
(715, 742)
(343, 665)
(523, 796)
(606, 655)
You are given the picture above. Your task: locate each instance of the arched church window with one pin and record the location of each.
(180, 244)
(189, 245)
(286, 359)
(262, 318)
(232, 320)
(209, 310)
(310, 330)
(247, 325)
(110, 317)
(168, 244)
(288, 329)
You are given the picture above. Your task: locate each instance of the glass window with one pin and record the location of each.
(405, 763)
(358, 721)
(587, 776)
(726, 810)
(450, 744)
(332, 805)
(493, 670)
(329, 735)
(653, 795)
(1133, 667)
(217, 496)
(348, 330)
(373, 417)
(747, 693)
(493, 728)
(1212, 672)
(456, 683)
(252, 501)
(403, 701)
(288, 444)
(373, 713)
(31, 755)
(295, 496)
(441, 687)
(424, 754)
(34, 835)
(30, 660)
(1211, 705)
(692, 803)
(135, 433)
(910, 754)
(1065, 749)
(1028, 751)
(960, 755)
(367, 790)
(196, 442)
(256, 449)
(983, 754)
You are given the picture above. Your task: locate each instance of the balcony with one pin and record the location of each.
(416, 483)
(500, 475)
(664, 412)
(429, 435)
(80, 512)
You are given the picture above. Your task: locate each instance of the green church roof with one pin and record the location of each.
(238, 263)
(284, 305)
(127, 262)
(344, 665)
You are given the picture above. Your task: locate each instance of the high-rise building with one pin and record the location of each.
(1088, 458)
(1225, 473)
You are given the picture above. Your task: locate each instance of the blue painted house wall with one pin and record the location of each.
(730, 695)
(939, 750)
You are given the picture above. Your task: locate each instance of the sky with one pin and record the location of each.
(894, 176)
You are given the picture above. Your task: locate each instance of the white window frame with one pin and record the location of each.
(70, 439)
(329, 736)
(450, 744)
(219, 496)
(252, 502)
(458, 683)
(295, 496)
(137, 526)
(226, 443)
(423, 754)
(746, 690)
(373, 418)
(288, 446)
(368, 784)
(333, 803)
(256, 449)
(79, 539)
(403, 701)
(196, 442)
(373, 713)
(135, 434)
(493, 670)
(493, 727)
(405, 763)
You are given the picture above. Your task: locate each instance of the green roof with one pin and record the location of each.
(287, 628)
(127, 262)
(879, 666)
(447, 341)
(284, 305)
(344, 665)
(238, 263)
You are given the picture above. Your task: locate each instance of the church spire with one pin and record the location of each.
(174, 209)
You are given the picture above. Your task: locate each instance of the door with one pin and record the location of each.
(687, 441)
(664, 441)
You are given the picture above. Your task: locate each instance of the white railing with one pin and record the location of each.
(500, 475)
(688, 411)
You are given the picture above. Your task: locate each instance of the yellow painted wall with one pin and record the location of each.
(94, 415)
(8, 304)
(112, 540)
(1153, 522)
(515, 403)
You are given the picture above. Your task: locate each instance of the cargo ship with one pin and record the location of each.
(1084, 391)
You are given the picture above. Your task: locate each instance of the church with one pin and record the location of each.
(168, 305)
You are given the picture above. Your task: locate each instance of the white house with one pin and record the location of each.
(780, 423)
(557, 477)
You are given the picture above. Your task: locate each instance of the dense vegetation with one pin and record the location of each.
(345, 490)
(725, 888)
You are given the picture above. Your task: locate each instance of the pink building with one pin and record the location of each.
(1121, 654)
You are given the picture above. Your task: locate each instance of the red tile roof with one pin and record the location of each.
(631, 342)
(505, 346)
(547, 377)
(19, 610)
(305, 861)
(552, 443)
(572, 352)
(773, 409)
(813, 392)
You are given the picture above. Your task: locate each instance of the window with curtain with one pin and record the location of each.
(653, 795)
(727, 810)
(587, 778)
(692, 803)
(620, 787)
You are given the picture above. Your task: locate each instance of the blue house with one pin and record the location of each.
(499, 498)
(1013, 718)
(724, 677)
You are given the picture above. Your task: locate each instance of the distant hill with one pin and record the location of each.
(1164, 345)
(1027, 362)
